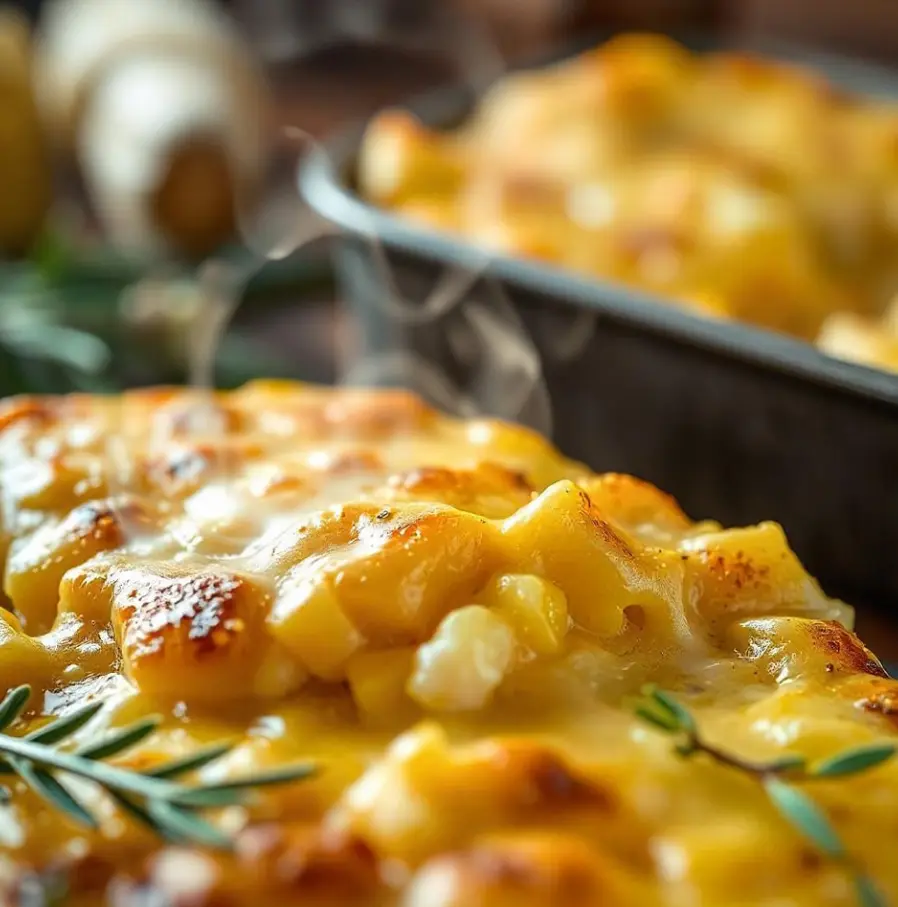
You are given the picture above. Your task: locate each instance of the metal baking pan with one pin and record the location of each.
(739, 423)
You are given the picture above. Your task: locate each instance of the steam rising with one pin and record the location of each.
(496, 368)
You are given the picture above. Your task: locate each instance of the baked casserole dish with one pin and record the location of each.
(730, 184)
(448, 666)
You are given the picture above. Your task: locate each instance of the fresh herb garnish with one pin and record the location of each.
(667, 714)
(152, 797)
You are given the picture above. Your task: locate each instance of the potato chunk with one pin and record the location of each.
(23, 659)
(399, 158)
(388, 581)
(792, 647)
(534, 607)
(563, 537)
(38, 561)
(752, 571)
(377, 681)
(524, 870)
(198, 634)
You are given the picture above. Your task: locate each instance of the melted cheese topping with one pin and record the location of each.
(735, 186)
(452, 620)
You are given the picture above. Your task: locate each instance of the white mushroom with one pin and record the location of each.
(164, 110)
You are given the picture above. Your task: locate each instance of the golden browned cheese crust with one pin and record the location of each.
(452, 621)
(735, 186)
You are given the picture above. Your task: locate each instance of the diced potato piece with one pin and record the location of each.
(392, 805)
(752, 571)
(321, 532)
(38, 562)
(198, 634)
(526, 869)
(726, 854)
(562, 537)
(399, 159)
(641, 508)
(791, 647)
(399, 570)
(55, 485)
(534, 607)
(522, 449)
(424, 796)
(489, 490)
(309, 622)
(377, 682)
(84, 592)
(468, 657)
(23, 659)
(846, 335)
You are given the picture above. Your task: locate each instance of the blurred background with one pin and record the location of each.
(131, 132)
(147, 183)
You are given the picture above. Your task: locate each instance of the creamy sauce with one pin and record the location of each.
(454, 622)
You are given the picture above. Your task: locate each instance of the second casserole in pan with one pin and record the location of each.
(733, 185)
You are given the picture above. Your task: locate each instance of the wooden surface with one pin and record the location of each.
(335, 88)
(859, 27)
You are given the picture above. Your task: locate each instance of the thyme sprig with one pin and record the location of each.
(154, 797)
(667, 714)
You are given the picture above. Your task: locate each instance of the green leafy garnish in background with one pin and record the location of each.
(777, 777)
(65, 324)
(153, 797)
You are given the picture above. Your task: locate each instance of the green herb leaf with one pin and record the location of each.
(805, 816)
(795, 806)
(190, 763)
(854, 760)
(790, 763)
(687, 748)
(867, 893)
(214, 797)
(64, 727)
(150, 798)
(181, 823)
(13, 704)
(231, 790)
(46, 786)
(661, 720)
(675, 709)
(299, 771)
(119, 740)
(50, 257)
(139, 814)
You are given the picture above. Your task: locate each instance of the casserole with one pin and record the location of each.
(454, 626)
(739, 423)
(730, 184)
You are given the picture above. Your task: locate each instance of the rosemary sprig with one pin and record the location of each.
(154, 797)
(670, 716)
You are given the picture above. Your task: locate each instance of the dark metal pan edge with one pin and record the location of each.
(332, 199)
(322, 183)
